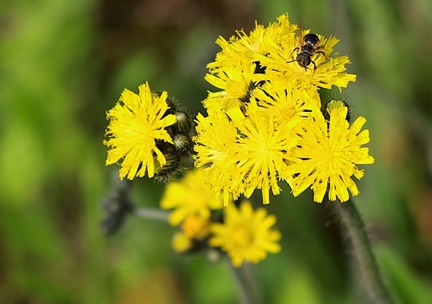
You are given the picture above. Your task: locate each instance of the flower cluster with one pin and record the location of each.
(244, 234)
(265, 125)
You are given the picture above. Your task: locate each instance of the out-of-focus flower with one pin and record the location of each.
(246, 235)
(189, 196)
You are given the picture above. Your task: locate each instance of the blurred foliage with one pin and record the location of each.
(63, 64)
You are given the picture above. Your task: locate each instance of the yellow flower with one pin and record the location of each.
(286, 104)
(246, 235)
(324, 70)
(327, 156)
(236, 70)
(136, 124)
(270, 53)
(190, 196)
(243, 153)
(261, 153)
(241, 50)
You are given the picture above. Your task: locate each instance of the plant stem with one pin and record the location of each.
(352, 223)
(152, 214)
(247, 289)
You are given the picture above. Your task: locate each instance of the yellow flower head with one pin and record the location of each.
(244, 153)
(190, 196)
(327, 155)
(285, 105)
(241, 50)
(324, 70)
(136, 124)
(246, 234)
(236, 69)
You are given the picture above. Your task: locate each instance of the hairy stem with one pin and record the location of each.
(352, 223)
(247, 289)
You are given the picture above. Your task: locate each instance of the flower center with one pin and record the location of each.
(242, 237)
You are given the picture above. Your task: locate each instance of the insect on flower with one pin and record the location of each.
(309, 48)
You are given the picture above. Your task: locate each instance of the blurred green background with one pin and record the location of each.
(63, 64)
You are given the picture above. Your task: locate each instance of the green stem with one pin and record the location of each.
(247, 289)
(352, 223)
(152, 214)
